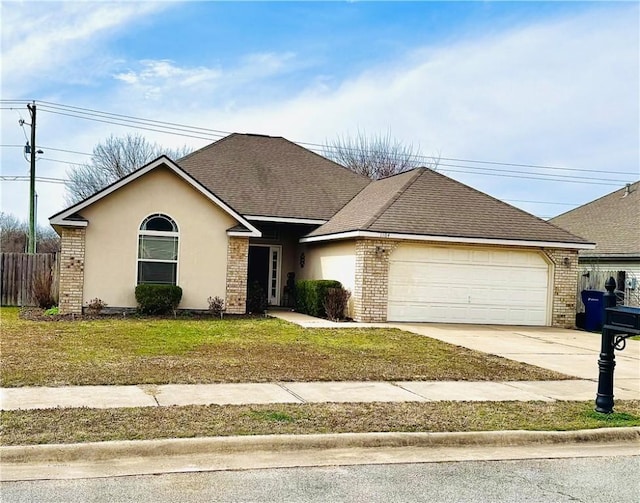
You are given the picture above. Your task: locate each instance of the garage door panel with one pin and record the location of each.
(466, 285)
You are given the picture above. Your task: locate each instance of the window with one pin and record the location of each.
(158, 250)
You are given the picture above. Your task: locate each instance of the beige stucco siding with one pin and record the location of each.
(112, 240)
(335, 260)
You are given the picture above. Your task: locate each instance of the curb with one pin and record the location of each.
(103, 451)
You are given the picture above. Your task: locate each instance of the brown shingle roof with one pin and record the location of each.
(271, 176)
(424, 202)
(612, 222)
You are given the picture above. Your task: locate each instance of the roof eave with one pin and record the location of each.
(286, 220)
(448, 239)
(245, 234)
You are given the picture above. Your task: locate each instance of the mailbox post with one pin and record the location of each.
(620, 323)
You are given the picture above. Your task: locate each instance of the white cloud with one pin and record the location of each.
(560, 92)
(161, 80)
(157, 79)
(46, 41)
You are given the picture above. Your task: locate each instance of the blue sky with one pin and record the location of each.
(552, 84)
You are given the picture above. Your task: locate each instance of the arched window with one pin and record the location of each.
(158, 250)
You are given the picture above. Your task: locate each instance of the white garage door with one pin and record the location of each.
(468, 285)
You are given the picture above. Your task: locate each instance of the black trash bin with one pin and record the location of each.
(593, 301)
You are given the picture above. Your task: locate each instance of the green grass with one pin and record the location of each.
(156, 351)
(53, 426)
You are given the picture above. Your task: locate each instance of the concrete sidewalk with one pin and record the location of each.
(299, 392)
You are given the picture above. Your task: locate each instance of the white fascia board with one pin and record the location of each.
(69, 223)
(244, 234)
(447, 239)
(61, 218)
(286, 220)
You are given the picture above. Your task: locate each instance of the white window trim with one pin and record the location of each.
(175, 234)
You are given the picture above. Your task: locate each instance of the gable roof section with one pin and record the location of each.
(70, 216)
(424, 204)
(612, 222)
(271, 177)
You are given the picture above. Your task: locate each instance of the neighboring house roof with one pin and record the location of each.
(612, 222)
(425, 203)
(269, 176)
(71, 217)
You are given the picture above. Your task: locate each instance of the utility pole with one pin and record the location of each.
(32, 182)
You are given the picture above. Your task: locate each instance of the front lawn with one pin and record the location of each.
(157, 351)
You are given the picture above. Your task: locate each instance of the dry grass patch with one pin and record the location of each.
(158, 351)
(53, 426)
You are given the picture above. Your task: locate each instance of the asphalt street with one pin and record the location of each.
(594, 480)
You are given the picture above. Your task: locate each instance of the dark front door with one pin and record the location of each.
(258, 268)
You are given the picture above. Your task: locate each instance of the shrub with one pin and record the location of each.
(216, 306)
(256, 298)
(52, 311)
(42, 293)
(158, 299)
(95, 306)
(311, 294)
(335, 303)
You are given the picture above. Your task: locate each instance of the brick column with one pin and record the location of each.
(72, 247)
(237, 263)
(372, 280)
(565, 286)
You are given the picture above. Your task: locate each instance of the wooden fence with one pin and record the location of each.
(19, 272)
(594, 279)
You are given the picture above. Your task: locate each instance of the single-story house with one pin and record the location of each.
(417, 246)
(612, 222)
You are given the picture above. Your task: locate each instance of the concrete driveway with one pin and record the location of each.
(572, 352)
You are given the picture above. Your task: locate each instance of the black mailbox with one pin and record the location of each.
(620, 323)
(623, 317)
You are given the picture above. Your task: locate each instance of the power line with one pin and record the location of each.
(127, 119)
(59, 161)
(528, 172)
(61, 106)
(532, 177)
(539, 202)
(25, 178)
(219, 133)
(537, 166)
(130, 125)
(48, 148)
(65, 150)
(210, 134)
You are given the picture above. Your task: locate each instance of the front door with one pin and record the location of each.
(264, 268)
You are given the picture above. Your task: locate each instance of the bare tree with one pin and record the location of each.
(377, 156)
(112, 159)
(13, 236)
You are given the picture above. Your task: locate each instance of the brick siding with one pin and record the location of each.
(372, 282)
(372, 279)
(72, 250)
(565, 285)
(237, 263)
